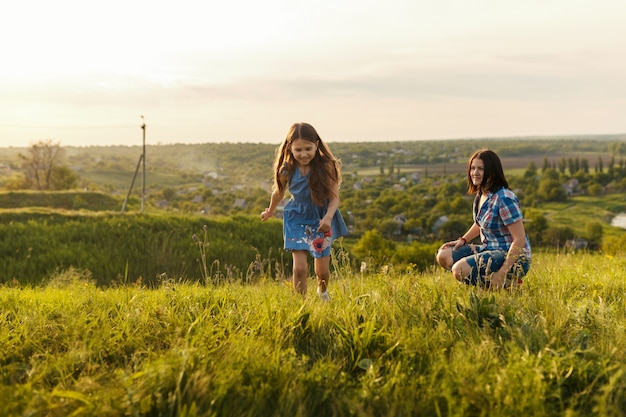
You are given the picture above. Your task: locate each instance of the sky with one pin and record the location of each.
(85, 73)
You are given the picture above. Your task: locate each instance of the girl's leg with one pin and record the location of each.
(322, 271)
(300, 271)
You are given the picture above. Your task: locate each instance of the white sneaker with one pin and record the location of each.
(323, 295)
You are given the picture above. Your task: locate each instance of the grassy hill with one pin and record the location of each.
(390, 343)
(164, 313)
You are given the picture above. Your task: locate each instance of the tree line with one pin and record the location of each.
(403, 192)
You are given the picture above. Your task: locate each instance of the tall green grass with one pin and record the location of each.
(66, 200)
(390, 343)
(120, 248)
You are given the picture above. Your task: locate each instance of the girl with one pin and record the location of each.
(311, 219)
(503, 257)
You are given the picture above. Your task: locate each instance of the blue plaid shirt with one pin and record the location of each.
(499, 210)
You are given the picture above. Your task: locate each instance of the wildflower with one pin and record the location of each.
(319, 244)
(318, 241)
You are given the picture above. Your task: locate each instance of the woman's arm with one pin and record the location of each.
(472, 233)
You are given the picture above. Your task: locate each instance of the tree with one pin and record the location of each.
(571, 166)
(39, 164)
(535, 227)
(595, 189)
(612, 166)
(63, 178)
(558, 235)
(168, 193)
(373, 245)
(389, 227)
(391, 166)
(453, 228)
(584, 165)
(550, 189)
(531, 171)
(594, 232)
(461, 205)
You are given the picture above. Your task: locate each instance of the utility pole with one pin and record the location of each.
(143, 157)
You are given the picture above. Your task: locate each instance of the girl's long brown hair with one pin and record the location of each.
(325, 175)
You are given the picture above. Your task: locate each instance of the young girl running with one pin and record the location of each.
(311, 218)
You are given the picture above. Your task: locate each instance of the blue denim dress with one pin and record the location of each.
(301, 218)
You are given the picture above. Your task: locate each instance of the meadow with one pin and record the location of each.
(389, 343)
(171, 313)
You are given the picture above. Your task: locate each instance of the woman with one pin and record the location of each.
(503, 257)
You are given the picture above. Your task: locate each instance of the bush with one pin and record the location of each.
(375, 247)
(615, 246)
(558, 235)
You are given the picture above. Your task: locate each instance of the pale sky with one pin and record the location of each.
(83, 73)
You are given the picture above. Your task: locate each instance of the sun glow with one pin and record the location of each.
(241, 69)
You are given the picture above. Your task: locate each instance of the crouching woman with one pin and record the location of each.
(503, 256)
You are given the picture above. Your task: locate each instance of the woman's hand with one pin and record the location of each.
(497, 280)
(447, 244)
(456, 244)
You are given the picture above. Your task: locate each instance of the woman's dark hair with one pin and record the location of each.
(493, 178)
(325, 173)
